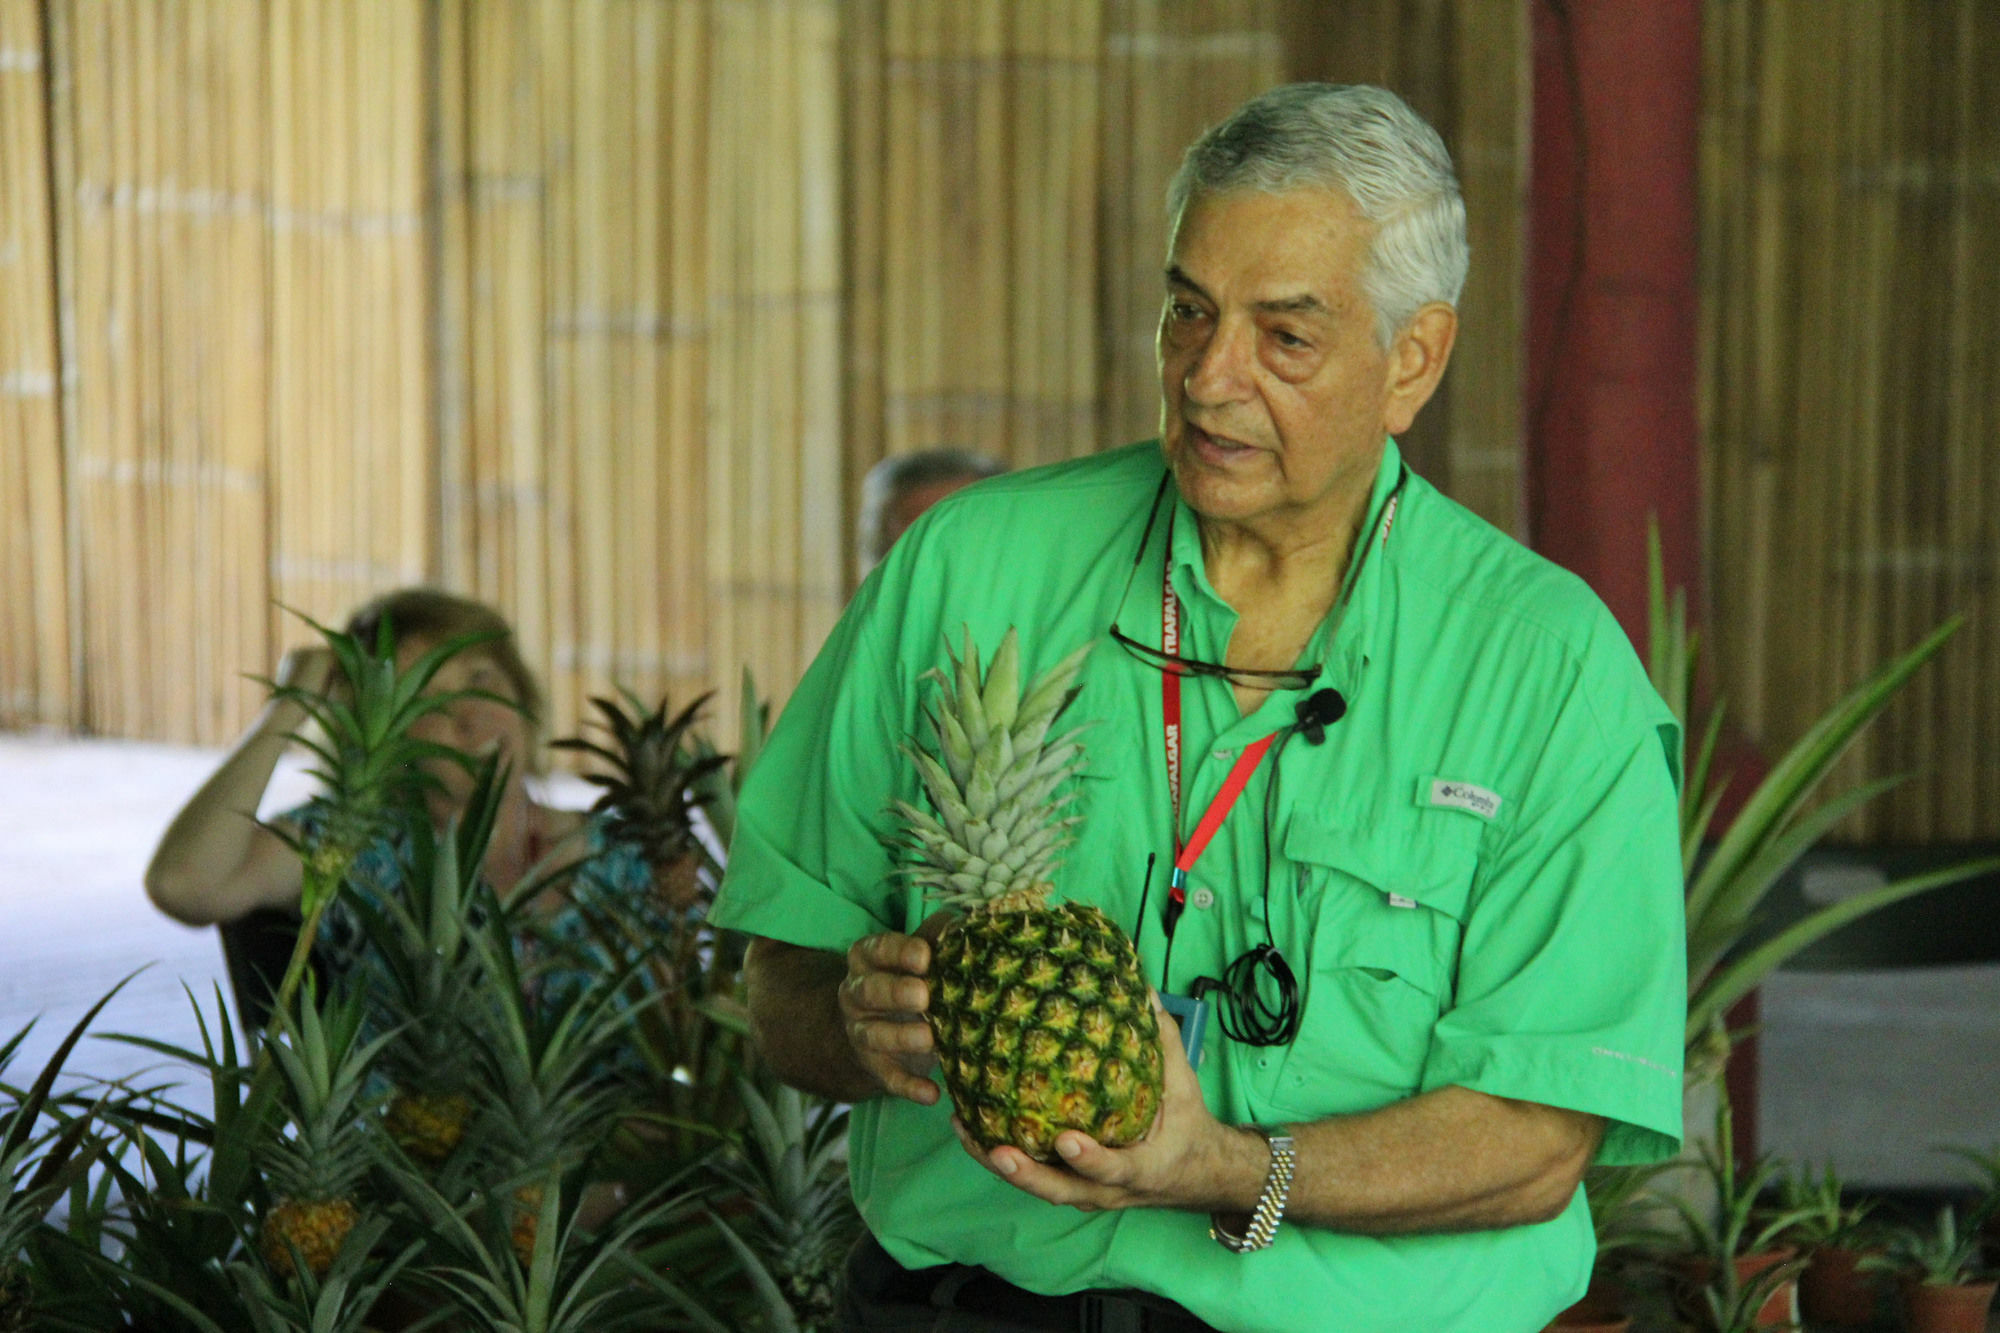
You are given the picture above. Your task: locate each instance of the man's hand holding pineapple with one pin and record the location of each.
(1385, 792)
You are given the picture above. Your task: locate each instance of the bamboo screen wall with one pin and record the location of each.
(600, 308)
(1851, 215)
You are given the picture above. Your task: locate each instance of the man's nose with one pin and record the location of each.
(1220, 371)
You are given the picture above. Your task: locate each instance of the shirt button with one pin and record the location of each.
(1223, 754)
(1202, 899)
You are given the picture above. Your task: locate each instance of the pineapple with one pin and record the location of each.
(652, 789)
(316, 1168)
(547, 1088)
(1042, 1019)
(428, 978)
(428, 1125)
(526, 1225)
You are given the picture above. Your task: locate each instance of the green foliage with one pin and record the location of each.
(371, 764)
(1820, 1214)
(1945, 1254)
(139, 1206)
(790, 1169)
(1782, 818)
(1737, 1226)
(1627, 1214)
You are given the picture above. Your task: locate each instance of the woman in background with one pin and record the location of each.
(216, 864)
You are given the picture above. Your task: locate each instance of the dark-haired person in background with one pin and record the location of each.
(898, 490)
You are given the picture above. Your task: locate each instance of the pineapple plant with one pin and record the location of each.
(1041, 1016)
(314, 1171)
(428, 982)
(547, 1083)
(653, 787)
(370, 765)
(690, 1027)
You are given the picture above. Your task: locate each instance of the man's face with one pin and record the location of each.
(1275, 395)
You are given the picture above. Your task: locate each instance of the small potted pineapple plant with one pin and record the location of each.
(1988, 1163)
(1731, 1251)
(1835, 1236)
(1945, 1287)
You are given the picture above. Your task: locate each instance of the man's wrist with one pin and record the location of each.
(1245, 1232)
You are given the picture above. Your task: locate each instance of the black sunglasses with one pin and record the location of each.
(1249, 678)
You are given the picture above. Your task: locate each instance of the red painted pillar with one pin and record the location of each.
(1611, 293)
(1611, 357)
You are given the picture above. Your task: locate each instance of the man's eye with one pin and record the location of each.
(1184, 311)
(1288, 340)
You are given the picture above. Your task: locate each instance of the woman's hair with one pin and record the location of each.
(435, 616)
(1367, 144)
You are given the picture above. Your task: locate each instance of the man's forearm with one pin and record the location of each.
(1450, 1160)
(795, 1016)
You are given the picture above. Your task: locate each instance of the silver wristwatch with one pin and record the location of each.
(1270, 1204)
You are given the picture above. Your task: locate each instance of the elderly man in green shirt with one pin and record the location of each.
(1441, 924)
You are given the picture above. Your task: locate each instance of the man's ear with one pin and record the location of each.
(1416, 363)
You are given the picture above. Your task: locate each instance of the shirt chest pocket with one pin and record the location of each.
(1378, 915)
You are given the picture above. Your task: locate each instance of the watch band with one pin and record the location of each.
(1270, 1204)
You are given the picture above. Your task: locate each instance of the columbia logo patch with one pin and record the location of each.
(1464, 796)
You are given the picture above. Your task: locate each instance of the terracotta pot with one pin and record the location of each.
(1780, 1308)
(1960, 1309)
(1835, 1290)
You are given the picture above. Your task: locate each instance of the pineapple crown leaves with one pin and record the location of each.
(424, 938)
(368, 762)
(324, 1062)
(993, 777)
(38, 1168)
(544, 1072)
(245, 1103)
(790, 1169)
(575, 1281)
(660, 771)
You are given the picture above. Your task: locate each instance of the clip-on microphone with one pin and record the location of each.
(1317, 711)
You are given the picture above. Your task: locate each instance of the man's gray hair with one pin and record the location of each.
(1368, 144)
(899, 474)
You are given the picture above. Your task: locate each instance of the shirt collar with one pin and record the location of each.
(1340, 643)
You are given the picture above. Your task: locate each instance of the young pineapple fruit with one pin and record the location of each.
(547, 1086)
(652, 788)
(315, 1169)
(429, 980)
(1042, 1019)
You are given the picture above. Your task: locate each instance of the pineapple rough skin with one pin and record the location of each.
(317, 1229)
(1044, 1022)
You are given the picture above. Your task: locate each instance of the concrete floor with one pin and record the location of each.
(1869, 1071)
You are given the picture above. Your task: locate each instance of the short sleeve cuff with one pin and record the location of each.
(766, 894)
(1640, 1098)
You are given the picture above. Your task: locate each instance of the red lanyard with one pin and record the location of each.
(1186, 854)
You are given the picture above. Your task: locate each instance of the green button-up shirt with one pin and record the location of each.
(1475, 877)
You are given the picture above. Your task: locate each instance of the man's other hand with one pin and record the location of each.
(882, 1002)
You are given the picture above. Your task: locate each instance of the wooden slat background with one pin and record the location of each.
(1851, 381)
(600, 309)
(35, 603)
